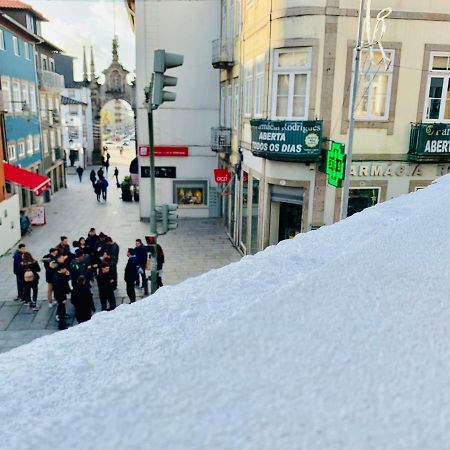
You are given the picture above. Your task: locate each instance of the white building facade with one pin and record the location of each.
(184, 160)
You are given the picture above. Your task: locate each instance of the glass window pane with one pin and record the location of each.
(293, 59)
(440, 62)
(379, 95)
(299, 106)
(282, 95)
(283, 85)
(362, 98)
(447, 103)
(255, 208)
(300, 84)
(436, 86)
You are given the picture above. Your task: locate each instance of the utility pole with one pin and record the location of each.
(351, 128)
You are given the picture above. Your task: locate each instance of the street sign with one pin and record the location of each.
(336, 164)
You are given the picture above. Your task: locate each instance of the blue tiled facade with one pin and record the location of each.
(20, 71)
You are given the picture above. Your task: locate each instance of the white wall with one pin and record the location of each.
(186, 27)
(9, 223)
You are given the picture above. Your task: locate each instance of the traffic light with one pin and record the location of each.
(169, 217)
(162, 62)
(151, 244)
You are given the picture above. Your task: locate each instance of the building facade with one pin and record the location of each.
(184, 161)
(285, 84)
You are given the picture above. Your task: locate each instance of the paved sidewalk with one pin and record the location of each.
(196, 247)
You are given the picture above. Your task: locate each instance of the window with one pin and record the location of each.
(50, 108)
(43, 106)
(25, 94)
(254, 213)
(26, 48)
(52, 64)
(17, 105)
(190, 193)
(37, 143)
(6, 89)
(32, 97)
(44, 62)
(29, 22)
(228, 106)
(45, 142)
(237, 18)
(30, 145)
(222, 105)
(52, 140)
(362, 198)
(16, 46)
(437, 106)
(236, 104)
(248, 87)
(21, 149)
(374, 88)
(73, 110)
(259, 86)
(291, 80)
(2, 40)
(58, 138)
(12, 155)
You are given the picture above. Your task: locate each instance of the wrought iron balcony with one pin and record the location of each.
(221, 139)
(222, 54)
(429, 142)
(50, 80)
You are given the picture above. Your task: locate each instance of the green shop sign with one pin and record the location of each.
(336, 164)
(429, 142)
(284, 140)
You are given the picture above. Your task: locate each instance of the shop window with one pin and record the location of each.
(190, 193)
(375, 85)
(255, 210)
(244, 210)
(362, 198)
(291, 83)
(437, 103)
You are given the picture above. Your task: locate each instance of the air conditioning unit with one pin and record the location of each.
(3, 104)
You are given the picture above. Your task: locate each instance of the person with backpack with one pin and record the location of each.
(17, 269)
(82, 300)
(104, 187)
(30, 269)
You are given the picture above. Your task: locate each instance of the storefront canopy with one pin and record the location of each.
(37, 183)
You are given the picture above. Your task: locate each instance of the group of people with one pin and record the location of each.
(72, 269)
(99, 184)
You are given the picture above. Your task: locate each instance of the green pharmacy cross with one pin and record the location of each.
(336, 164)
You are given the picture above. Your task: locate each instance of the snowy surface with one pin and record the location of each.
(338, 339)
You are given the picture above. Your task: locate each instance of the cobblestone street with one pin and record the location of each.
(196, 247)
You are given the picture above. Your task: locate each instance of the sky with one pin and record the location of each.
(77, 23)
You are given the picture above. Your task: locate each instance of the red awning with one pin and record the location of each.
(37, 183)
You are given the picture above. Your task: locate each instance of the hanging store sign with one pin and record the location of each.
(336, 164)
(429, 141)
(222, 176)
(287, 140)
(164, 150)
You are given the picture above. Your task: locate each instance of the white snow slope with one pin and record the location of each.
(338, 339)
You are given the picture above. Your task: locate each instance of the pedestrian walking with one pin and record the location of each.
(121, 151)
(100, 173)
(17, 269)
(116, 174)
(104, 187)
(30, 269)
(98, 189)
(93, 177)
(159, 264)
(106, 282)
(82, 300)
(141, 253)
(80, 171)
(108, 157)
(61, 290)
(131, 274)
(107, 165)
(50, 265)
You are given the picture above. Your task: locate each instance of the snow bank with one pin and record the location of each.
(339, 338)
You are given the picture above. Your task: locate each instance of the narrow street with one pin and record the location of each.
(198, 246)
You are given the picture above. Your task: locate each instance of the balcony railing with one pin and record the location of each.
(429, 142)
(222, 54)
(50, 80)
(221, 139)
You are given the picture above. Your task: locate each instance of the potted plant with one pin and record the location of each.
(126, 189)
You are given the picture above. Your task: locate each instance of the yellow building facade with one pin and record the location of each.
(285, 83)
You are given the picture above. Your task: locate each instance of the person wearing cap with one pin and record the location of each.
(50, 266)
(106, 283)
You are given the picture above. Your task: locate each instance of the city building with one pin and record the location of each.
(285, 83)
(184, 161)
(76, 114)
(19, 92)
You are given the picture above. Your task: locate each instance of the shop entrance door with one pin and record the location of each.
(290, 220)
(362, 198)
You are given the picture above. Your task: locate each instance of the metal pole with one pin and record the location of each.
(153, 227)
(351, 128)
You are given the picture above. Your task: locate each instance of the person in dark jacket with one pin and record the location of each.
(141, 254)
(92, 238)
(17, 268)
(159, 264)
(80, 171)
(30, 269)
(98, 189)
(106, 282)
(100, 173)
(82, 300)
(61, 290)
(50, 266)
(131, 274)
(64, 247)
(104, 186)
(116, 175)
(93, 177)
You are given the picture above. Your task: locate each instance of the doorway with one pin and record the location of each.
(362, 198)
(290, 222)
